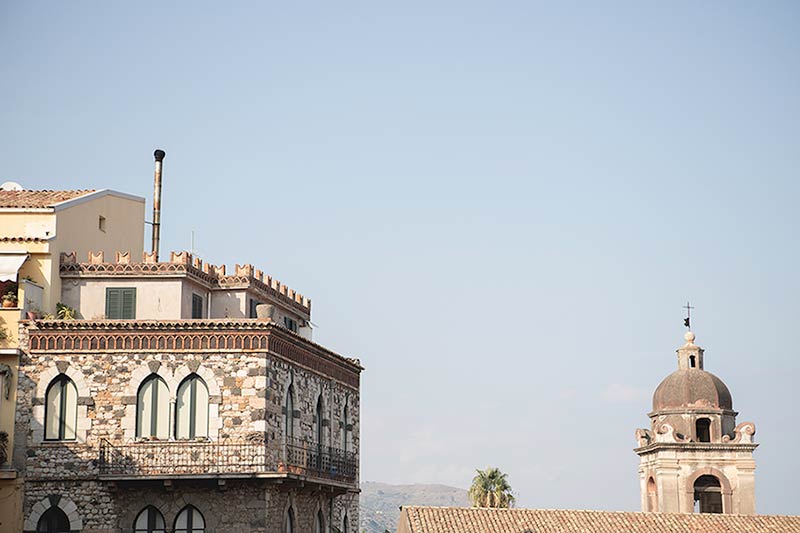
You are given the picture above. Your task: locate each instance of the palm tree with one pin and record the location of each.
(490, 488)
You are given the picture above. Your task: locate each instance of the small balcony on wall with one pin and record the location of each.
(149, 460)
(312, 459)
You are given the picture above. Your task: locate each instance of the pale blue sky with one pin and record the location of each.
(500, 207)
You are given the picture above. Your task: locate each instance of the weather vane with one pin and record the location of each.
(688, 320)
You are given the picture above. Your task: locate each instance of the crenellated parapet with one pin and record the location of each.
(247, 275)
(184, 264)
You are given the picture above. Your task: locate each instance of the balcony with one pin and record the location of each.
(314, 460)
(222, 459)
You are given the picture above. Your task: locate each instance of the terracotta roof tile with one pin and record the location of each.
(22, 239)
(470, 520)
(34, 199)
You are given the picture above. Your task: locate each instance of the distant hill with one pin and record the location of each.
(380, 502)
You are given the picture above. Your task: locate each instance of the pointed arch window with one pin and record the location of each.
(149, 520)
(290, 521)
(345, 423)
(191, 408)
(289, 426)
(319, 433)
(152, 408)
(345, 524)
(61, 409)
(190, 520)
(54, 520)
(319, 522)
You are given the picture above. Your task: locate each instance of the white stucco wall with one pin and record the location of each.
(155, 298)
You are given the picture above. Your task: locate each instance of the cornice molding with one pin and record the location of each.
(696, 447)
(194, 336)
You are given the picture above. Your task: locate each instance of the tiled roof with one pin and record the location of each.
(22, 239)
(33, 199)
(470, 520)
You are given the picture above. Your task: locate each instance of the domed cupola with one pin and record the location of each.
(691, 386)
(695, 403)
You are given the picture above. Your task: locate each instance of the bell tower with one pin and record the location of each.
(694, 458)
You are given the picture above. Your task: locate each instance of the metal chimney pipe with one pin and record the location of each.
(159, 155)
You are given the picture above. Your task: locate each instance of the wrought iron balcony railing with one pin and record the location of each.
(155, 458)
(321, 461)
(197, 458)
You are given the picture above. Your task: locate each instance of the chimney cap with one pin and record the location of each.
(159, 155)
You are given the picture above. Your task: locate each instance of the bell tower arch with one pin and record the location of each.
(694, 457)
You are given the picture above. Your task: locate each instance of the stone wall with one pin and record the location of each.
(247, 395)
(244, 506)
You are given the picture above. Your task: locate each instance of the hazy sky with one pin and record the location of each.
(499, 207)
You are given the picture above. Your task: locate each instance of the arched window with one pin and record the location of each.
(319, 435)
(289, 427)
(54, 520)
(189, 520)
(191, 409)
(152, 408)
(708, 494)
(703, 430)
(150, 520)
(319, 430)
(290, 521)
(344, 424)
(652, 496)
(319, 523)
(61, 409)
(345, 524)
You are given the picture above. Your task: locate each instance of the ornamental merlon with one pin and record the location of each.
(184, 265)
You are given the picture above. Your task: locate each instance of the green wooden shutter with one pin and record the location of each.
(128, 308)
(113, 301)
(120, 303)
(197, 306)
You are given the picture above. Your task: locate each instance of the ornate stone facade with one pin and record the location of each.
(251, 465)
(695, 458)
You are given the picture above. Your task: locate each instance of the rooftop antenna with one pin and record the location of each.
(159, 155)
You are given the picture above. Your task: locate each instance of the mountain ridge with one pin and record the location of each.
(380, 502)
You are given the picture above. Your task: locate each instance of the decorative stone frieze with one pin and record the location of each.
(60, 336)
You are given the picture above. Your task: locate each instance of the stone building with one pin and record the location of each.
(35, 227)
(695, 458)
(165, 408)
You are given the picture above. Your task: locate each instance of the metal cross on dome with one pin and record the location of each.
(688, 320)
